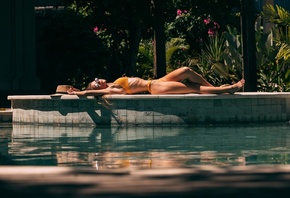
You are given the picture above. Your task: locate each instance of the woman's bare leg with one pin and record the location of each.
(183, 73)
(226, 89)
(172, 87)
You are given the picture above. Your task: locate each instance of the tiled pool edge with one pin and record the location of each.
(184, 109)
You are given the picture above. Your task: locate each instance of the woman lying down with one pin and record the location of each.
(169, 84)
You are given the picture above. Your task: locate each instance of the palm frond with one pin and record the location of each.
(173, 45)
(284, 52)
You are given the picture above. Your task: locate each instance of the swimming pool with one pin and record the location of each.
(146, 147)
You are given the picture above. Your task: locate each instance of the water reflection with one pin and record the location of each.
(146, 147)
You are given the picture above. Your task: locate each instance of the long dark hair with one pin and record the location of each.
(89, 87)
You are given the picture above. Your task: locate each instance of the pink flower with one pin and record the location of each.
(206, 21)
(211, 32)
(96, 29)
(216, 25)
(179, 12)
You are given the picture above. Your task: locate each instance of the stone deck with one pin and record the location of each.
(183, 109)
(59, 182)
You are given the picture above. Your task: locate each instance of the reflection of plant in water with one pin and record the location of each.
(165, 159)
(270, 158)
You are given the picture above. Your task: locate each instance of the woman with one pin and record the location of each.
(169, 84)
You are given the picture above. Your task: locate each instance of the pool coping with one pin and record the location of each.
(148, 96)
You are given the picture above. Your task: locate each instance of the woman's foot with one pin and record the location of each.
(237, 86)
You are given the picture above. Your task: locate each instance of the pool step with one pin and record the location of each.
(5, 115)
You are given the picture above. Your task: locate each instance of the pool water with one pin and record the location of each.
(145, 147)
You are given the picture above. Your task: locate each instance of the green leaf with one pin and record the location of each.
(221, 70)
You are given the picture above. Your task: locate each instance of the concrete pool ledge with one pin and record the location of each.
(145, 109)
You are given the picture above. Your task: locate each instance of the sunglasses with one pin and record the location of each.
(97, 83)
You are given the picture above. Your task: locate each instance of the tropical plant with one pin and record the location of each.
(192, 27)
(232, 55)
(220, 60)
(67, 49)
(145, 59)
(274, 69)
(211, 63)
(176, 55)
(280, 18)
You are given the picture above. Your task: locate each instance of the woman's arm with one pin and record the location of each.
(98, 92)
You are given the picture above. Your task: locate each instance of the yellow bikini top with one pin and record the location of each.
(123, 82)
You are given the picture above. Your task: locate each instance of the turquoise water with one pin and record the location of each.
(145, 147)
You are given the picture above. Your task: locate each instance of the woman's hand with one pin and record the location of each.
(73, 91)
